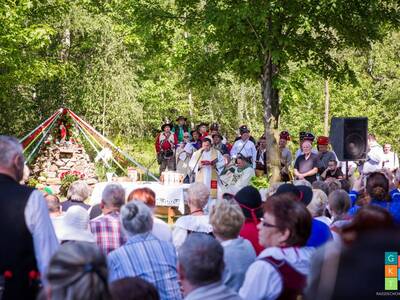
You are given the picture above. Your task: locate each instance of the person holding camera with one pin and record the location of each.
(166, 142)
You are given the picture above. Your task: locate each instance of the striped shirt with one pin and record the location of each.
(108, 232)
(151, 259)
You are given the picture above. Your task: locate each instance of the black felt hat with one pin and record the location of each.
(304, 193)
(181, 118)
(243, 129)
(250, 201)
(165, 125)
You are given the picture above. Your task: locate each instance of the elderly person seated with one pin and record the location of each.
(281, 270)
(227, 219)
(78, 270)
(75, 226)
(200, 266)
(53, 203)
(196, 221)
(338, 205)
(133, 288)
(77, 193)
(143, 254)
(160, 229)
(107, 227)
(318, 205)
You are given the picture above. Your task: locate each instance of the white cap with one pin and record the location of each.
(75, 225)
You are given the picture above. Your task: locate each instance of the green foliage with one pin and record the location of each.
(66, 182)
(127, 66)
(259, 182)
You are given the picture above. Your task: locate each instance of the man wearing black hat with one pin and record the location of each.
(245, 146)
(180, 128)
(305, 136)
(165, 144)
(203, 129)
(217, 143)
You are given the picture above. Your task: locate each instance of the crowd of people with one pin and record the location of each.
(205, 155)
(297, 240)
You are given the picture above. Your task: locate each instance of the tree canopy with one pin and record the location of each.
(127, 66)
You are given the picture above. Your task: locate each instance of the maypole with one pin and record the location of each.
(107, 141)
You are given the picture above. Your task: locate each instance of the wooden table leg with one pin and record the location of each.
(171, 215)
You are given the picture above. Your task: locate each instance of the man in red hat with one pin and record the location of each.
(324, 154)
(165, 144)
(285, 155)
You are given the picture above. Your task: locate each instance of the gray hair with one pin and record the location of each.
(201, 258)
(78, 191)
(198, 194)
(113, 195)
(78, 270)
(53, 203)
(302, 182)
(339, 201)
(9, 148)
(136, 218)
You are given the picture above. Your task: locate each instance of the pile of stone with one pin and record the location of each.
(57, 159)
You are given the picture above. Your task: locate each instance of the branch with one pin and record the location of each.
(256, 34)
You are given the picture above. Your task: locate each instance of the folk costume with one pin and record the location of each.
(305, 136)
(208, 174)
(165, 148)
(326, 156)
(179, 130)
(285, 159)
(245, 147)
(261, 162)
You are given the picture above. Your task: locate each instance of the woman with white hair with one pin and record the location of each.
(143, 254)
(77, 193)
(318, 205)
(196, 221)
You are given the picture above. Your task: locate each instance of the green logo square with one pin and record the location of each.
(390, 258)
(391, 284)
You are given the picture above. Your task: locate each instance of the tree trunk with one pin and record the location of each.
(270, 97)
(190, 102)
(326, 115)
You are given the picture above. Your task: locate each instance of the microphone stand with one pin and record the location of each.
(195, 166)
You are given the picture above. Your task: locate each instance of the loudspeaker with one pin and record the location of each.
(349, 138)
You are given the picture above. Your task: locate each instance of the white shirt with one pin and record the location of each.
(263, 281)
(390, 161)
(194, 164)
(246, 148)
(39, 224)
(57, 225)
(161, 230)
(189, 223)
